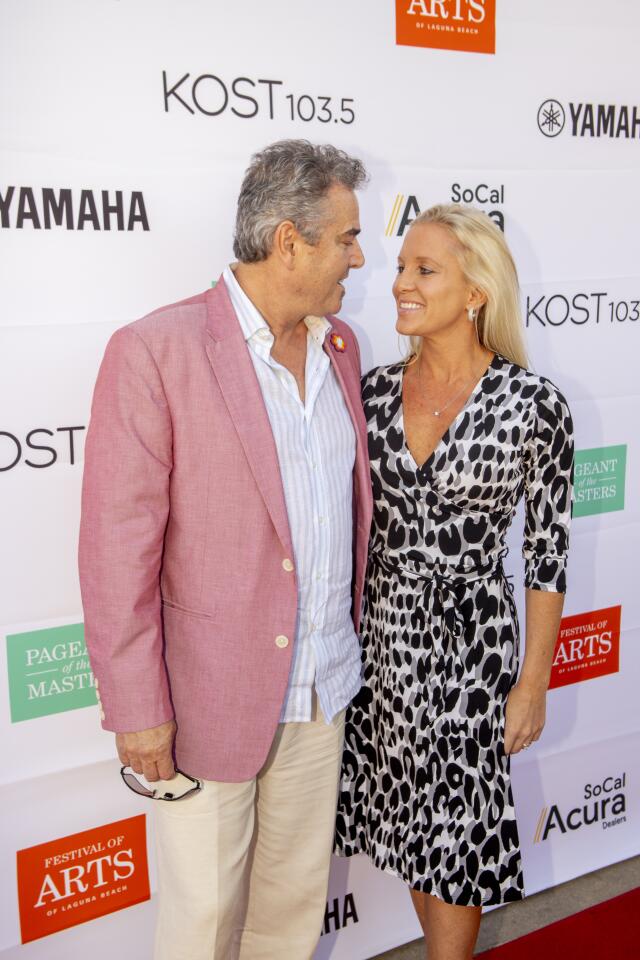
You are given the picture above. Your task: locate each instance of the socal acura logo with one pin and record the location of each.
(603, 803)
(405, 209)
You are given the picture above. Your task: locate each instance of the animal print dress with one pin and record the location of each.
(425, 781)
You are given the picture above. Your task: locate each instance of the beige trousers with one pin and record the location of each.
(243, 867)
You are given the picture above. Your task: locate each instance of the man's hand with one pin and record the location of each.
(149, 752)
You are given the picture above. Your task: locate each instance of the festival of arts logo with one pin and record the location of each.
(83, 876)
(599, 480)
(588, 646)
(49, 672)
(468, 25)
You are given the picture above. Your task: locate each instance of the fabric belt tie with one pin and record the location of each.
(441, 608)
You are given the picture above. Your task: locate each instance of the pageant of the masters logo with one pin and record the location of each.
(599, 480)
(49, 672)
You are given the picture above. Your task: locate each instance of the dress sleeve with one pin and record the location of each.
(548, 465)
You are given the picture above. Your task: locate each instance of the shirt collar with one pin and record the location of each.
(252, 322)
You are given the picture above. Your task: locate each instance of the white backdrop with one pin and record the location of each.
(144, 105)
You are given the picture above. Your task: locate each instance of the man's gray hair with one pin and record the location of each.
(289, 180)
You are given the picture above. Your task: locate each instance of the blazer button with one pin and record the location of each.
(282, 642)
(287, 565)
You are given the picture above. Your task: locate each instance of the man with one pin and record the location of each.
(226, 511)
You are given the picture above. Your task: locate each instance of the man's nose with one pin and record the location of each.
(357, 256)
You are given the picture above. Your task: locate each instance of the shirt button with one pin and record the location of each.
(322, 520)
(282, 642)
(287, 565)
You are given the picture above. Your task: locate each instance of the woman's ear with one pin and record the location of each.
(476, 299)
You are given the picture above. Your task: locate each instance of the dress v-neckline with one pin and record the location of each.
(475, 392)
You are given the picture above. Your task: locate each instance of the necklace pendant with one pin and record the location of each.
(436, 413)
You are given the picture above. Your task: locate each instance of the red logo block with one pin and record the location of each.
(588, 646)
(83, 876)
(468, 25)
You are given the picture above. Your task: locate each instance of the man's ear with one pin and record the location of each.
(286, 241)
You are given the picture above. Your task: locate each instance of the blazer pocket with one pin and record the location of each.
(185, 611)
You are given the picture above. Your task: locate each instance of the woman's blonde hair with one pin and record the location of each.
(487, 264)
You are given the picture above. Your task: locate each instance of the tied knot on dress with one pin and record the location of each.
(445, 622)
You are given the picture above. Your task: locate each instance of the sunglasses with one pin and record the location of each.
(179, 787)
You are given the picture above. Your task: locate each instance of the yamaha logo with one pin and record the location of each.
(551, 118)
(43, 208)
(592, 120)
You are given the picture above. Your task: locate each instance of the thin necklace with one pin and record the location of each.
(436, 413)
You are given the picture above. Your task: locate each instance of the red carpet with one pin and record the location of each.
(608, 931)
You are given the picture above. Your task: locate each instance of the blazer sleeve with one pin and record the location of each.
(125, 506)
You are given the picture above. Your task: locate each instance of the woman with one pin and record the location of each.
(457, 433)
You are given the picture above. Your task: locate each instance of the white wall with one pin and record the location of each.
(85, 110)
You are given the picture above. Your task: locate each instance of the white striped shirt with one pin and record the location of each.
(316, 444)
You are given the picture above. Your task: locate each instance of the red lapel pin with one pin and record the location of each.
(337, 342)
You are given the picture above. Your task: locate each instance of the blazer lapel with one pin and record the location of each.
(348, 376)
(350, 386)
(232, 366)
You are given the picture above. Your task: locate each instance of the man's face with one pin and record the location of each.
(322, 269)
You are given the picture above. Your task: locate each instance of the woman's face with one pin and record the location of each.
(431, 292)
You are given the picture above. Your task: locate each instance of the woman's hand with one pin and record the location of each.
(526, 704)
(524, 718)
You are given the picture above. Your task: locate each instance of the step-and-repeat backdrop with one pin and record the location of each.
(125, 131)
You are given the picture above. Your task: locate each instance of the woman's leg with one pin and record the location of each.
(450, 931)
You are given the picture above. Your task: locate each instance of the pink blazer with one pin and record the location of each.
(184, 536)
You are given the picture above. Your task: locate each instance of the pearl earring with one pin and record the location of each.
(471, 314)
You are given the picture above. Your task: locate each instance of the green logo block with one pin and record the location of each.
(599, 480)
(49, 672)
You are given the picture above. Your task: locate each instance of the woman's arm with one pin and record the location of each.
(548, 463)
(525, 712)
